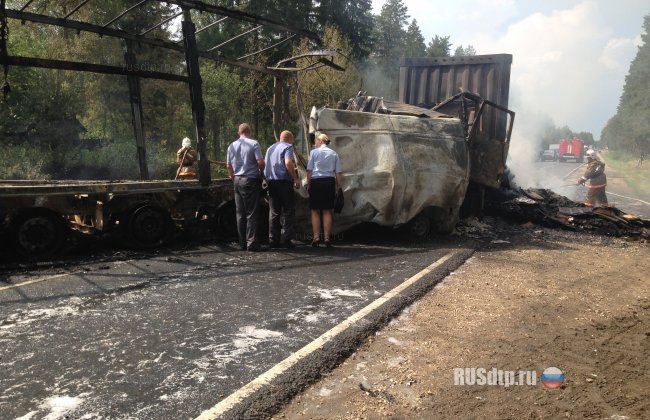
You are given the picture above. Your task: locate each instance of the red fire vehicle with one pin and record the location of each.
(572, 149)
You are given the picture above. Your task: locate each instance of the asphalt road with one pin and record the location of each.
(171, 334)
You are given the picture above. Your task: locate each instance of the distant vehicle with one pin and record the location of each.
(572, 149)
(549, 155)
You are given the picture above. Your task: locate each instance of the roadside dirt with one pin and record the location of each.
(532, 298)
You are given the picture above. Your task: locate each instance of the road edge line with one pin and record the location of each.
(231, 402)
(26, 283)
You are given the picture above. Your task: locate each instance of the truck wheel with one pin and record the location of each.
(225, 224)
(148, 226)
(420, 226)
(38, 232)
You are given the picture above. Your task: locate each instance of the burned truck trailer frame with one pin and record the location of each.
(35, 214)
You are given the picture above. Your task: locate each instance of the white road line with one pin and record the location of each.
(629, 198)
(235, 398)
(572, 171)
(35, 281)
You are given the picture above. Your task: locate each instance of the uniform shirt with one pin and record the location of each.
(187, 154)
(595, 173)
(275, 168)
(323, 162)
(243, 155)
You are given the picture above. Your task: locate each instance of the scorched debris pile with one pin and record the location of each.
(545, 208)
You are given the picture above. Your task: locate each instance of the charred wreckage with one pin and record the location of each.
(417, 162)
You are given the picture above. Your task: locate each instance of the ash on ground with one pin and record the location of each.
(537, 208)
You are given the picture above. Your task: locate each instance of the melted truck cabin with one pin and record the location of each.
(396, 167)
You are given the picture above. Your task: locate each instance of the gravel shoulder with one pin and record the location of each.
(529, 300)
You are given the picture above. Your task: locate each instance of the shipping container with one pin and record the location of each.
(430, 82)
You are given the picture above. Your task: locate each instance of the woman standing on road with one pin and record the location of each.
(324, 178)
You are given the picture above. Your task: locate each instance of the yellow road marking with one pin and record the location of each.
(34, 281)
(233, 399)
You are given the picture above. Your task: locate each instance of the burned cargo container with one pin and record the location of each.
(437, 82)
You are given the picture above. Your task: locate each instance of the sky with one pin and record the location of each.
(570, 57)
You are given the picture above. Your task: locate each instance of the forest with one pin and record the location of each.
(59, 124)
(629, 130)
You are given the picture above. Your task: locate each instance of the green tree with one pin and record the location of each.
(389, 29)
(414, 45)
(326, 86)
(439, 46)
(352, 18)
(467, 51)
(629, 129)
(381, 71)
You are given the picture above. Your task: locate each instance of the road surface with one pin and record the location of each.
(172, 334)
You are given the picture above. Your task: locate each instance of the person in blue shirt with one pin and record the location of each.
(282, 178)
(245, 164)
(324, 178)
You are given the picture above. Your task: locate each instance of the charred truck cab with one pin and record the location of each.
(418, 165)
(408, 165)
(398, 168)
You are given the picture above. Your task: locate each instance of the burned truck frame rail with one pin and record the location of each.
(37, 215)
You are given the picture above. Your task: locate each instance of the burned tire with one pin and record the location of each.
(420, 226)
(148, 226)
(37, 232)
(443, 220)
(225, 223)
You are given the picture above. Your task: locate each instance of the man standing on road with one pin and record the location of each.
(245, 164)
(595, 173)
(280, 172)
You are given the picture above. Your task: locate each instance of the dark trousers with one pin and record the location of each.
(282, 212)
(247, 195)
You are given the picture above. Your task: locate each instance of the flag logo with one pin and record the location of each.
(552, 377)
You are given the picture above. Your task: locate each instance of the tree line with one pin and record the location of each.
(629, 129)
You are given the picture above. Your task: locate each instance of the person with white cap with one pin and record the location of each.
(186, 156)
(595, 173)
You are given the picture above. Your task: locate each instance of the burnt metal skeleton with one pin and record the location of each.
(37, 217)
(187, 46)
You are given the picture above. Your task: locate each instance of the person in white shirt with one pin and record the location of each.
(245, 164)
(324, 178)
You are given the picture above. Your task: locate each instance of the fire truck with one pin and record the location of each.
(572, 149)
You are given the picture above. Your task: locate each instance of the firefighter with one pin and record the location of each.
(186, 156)
(595, 173)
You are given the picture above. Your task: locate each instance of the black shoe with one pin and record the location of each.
(289, 245)
(242, 247)
(254, 248)
(275, 245)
